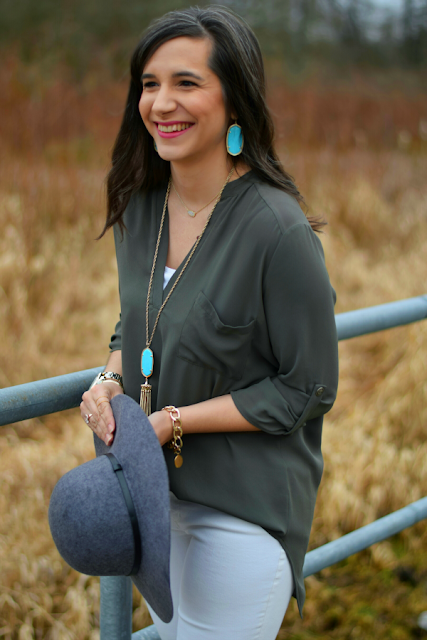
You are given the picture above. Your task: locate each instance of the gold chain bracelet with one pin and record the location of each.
(176, 442)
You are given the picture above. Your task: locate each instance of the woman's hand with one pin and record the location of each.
(162, 425)
(96, 411)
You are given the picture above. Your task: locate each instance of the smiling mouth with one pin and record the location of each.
(177, 126)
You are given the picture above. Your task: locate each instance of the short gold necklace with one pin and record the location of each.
(147, 356)
(191, 213)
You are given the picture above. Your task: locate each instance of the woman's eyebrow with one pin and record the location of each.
(178, 74)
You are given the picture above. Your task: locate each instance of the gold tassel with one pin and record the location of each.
(145, 399)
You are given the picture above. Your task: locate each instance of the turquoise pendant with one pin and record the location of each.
(147, 362)
(234, 140)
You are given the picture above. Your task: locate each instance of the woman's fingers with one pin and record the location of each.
(106, 418)
(90, 414)
(96, 411)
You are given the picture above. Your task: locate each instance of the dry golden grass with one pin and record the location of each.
(58, 306)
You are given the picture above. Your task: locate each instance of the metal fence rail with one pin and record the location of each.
(64, 392)
(384, 316)
(39, 398)
(362, 538)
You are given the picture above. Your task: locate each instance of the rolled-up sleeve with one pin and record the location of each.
(116, 338)
(299, 312)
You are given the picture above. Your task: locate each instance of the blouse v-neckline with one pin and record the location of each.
(158, 292)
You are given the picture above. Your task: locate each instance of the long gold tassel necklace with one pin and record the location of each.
(147, 356)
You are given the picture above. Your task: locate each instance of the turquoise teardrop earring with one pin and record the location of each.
(234, 139)
(155, 146)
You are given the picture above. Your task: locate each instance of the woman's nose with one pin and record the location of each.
(164, 101)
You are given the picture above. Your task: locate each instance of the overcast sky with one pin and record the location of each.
(389, 3)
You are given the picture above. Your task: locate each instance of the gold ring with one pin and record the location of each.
(102, 400)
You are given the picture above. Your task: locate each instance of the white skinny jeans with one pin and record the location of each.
(230, 579)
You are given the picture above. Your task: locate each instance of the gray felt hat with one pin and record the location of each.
(93, 522)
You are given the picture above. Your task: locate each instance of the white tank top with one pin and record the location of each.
(167, 276)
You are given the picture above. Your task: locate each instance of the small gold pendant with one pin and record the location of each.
(178, 461)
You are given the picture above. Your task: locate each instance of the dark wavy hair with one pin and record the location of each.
(237, 61)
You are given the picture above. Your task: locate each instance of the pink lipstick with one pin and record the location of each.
(172, 134)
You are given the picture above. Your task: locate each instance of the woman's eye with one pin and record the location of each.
(148, 85)
(188, 83)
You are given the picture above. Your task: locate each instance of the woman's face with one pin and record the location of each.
(182, 103)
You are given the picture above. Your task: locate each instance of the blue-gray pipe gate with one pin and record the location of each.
(64, 392)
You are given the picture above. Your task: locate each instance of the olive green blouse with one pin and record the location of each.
(253, 315)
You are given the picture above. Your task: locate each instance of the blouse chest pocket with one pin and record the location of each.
(209, 343)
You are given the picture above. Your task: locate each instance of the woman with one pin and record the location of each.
(215, 252)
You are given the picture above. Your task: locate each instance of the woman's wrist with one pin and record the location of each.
(162, 426)
(114, 389)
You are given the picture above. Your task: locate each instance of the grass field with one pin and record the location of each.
(59, 304)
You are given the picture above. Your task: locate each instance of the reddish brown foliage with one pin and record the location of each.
(36, 111)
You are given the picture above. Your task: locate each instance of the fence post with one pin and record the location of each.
(115, 616)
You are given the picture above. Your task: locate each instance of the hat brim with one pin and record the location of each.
(138, 450)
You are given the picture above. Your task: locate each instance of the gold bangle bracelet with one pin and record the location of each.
(176, 442)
